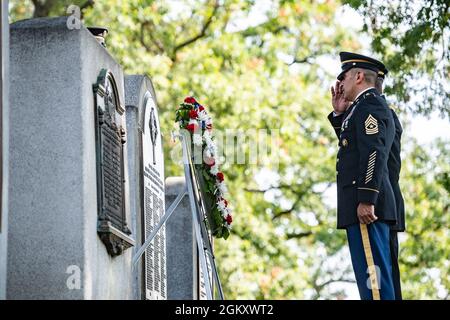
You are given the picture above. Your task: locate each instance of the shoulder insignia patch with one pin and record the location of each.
(371, 125)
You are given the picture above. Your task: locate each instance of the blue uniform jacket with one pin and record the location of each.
(366, 132)
(394, 165)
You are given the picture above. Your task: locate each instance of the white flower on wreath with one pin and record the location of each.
(207, 136)
(211, 151)
(214, 169)
(222, 207)
(226, 212)
(208, 155)
(222, 187)
(202, 115)
(209, 142)
(213, 148)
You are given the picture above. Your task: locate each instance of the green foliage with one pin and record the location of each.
(268, 74)
(426, 247)
(412, 37)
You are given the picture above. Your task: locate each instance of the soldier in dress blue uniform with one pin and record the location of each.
(366, 201)
(394, 166)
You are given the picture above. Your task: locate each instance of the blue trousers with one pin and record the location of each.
(395, 266)
(371, 260)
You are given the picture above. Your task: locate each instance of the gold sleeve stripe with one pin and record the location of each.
(370, 167)
(370, 263)
(370, 189)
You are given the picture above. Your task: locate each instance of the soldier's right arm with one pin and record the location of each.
(336, 122)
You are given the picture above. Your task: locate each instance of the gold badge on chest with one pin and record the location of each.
(344, 142)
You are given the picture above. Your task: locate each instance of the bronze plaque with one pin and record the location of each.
(110, 139)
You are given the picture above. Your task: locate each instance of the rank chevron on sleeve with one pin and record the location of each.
(371, 125)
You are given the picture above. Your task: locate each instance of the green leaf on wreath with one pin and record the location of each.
(226, 233)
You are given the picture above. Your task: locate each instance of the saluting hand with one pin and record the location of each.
(366, 213)
(337, 98)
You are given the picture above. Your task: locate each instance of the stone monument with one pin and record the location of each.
(146, 167)
(185, 280)
(86, 177)
(68, 191)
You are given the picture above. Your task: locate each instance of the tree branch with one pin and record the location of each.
(200, 35)
(296, 60)
(281, 186)
(300, 194)
(87, 4)
(299, 235)
(318, 287)
(265, 27)
(155, 42)
(288, 211)
(326, 283)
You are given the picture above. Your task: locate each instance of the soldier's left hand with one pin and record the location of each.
(366, 213)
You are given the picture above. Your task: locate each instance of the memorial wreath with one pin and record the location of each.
(192, 116)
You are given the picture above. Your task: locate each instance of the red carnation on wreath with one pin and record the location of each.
(193, 114)
(224, 200)
(220, 176)
(190, 100)
(191, 127)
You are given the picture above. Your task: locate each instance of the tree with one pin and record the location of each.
(263, 74)
(45, 8)
(426, 245)
(412, 37)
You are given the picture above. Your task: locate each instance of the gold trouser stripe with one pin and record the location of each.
(370, 263)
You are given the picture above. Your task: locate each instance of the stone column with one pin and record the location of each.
(4, 116)
(54, 249)
(146, 167)
(182, 258)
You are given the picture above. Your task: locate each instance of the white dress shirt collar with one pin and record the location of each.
(359, 94)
